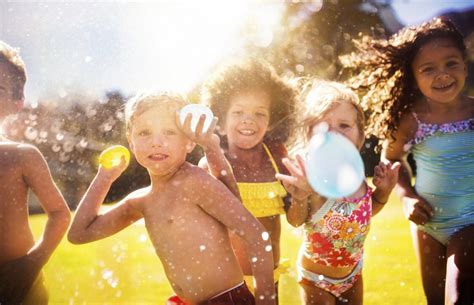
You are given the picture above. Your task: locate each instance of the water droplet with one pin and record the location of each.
(268, 248)
(68, 146)
(43, 134)
(31, 133)
(202, 248)
(83, 143)
(254, 259)
(265, 235)
(55, 147)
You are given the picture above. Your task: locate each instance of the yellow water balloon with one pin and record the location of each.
(112, 156)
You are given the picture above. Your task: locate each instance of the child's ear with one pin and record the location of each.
(190, 146)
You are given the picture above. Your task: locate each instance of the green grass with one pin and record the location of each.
(124, 269)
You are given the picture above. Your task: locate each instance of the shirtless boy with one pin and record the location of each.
(23, 167)
(183, 211)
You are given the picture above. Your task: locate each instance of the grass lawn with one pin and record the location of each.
(124, 269)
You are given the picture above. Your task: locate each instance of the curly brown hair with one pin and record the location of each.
(250, 74)
(11, 57)
(385, 76)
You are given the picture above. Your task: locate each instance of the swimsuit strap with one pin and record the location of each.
(269, 154)
(416, 117)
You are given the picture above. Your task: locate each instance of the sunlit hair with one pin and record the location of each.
(317, 98)
(385, 76)
(169, 102)
(11, 57)
(247, 75)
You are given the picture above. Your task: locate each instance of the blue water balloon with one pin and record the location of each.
(334, 166)
(196, 111)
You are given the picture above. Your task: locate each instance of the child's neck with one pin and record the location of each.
(434, 107)
(247, 156)
(160, 181)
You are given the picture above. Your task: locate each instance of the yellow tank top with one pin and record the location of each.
(263, 199)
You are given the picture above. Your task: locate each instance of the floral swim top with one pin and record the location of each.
(426, 130)
(335, 234)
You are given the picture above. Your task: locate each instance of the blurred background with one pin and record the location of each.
(85, 59)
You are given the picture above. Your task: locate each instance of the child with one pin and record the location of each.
(414, 83)
(331, 256)
(22, 167)
(182, 208)
(254, 106)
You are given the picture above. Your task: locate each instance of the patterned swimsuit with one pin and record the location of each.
(334, 236)
(444, 156)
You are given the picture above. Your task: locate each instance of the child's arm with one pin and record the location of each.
(416, 208)
(215, 161)
(21, 273)
(385, 179)
(88, 225)
(239, 220)
(301, 193)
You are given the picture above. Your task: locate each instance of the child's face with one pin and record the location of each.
(156, 141)
(341, 118)
(439, 70)
(247, 119)
(8, 104)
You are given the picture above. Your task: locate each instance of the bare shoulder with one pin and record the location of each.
(193, 175)
(394, 148)
(136, 198)
(469, 105)
(17, 154)
(407, 128)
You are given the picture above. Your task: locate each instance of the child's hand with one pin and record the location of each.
(417, 209)
(113, 172)
(207, 139)
(16, 279)
(296, 184)
(386, 175)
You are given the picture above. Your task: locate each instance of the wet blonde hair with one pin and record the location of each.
(11, 57)
(317, 97)
(168, 101)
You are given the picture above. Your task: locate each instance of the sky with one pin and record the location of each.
(99, 46)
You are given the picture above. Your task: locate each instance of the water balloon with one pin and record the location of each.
(196, 110)
(334, 166)
(112, 156)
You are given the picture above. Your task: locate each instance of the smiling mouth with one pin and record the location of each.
(157, 157)
(247, 132)
(443, 87)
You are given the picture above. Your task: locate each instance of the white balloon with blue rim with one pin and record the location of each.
(334, 166)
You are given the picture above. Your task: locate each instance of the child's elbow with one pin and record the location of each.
(77, 238)
(74, 238)
(295, 222)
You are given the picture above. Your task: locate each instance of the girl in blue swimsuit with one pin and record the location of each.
(413, 85)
